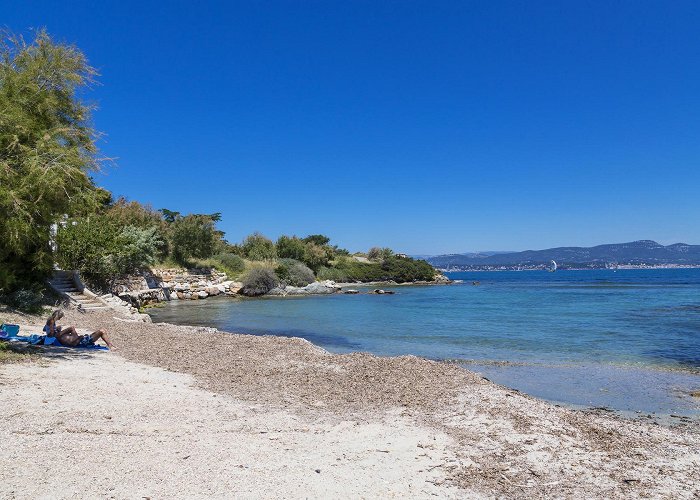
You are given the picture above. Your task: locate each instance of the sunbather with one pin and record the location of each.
(69, 336)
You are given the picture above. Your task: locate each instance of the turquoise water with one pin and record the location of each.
(629, 339)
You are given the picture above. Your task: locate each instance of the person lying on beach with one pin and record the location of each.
(69, 336)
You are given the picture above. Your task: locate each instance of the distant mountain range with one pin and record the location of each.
(636, 253)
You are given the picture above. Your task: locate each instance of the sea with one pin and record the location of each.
(623, 340)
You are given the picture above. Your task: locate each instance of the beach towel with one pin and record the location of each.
(35, 339)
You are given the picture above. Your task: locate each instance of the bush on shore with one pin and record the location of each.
(294, 273)
(259, 281)
(230, 263)
(257, 247)
(331, 273)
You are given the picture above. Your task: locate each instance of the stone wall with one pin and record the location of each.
(160, 285)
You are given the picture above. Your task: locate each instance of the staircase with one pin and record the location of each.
(64, 282)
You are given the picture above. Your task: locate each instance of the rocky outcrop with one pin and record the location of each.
(125, 307)
(316, 288)
(159, 285)
(441, 279)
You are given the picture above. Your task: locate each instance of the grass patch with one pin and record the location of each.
(11, 352)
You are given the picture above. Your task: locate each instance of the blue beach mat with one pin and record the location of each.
(35, 339)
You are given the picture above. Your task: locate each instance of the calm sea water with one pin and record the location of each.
(628, 340)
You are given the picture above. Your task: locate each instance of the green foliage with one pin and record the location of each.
(169, 216)
(192, 236)
(315, 256)
(86, 244)
(29, 300)
(135, 248)
(230, 263)
(258, 247)
(398, 269)
(259, 281)
(133, 213)
(291, 248)
(102, 250)
(47, 150)
(294, 273)
(332, 273)
(317, 239)
(379, 254)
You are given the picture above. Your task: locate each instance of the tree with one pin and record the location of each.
(192, 236)
(376, 253)
(47, 151)
(315, 256)
(102, 249)
(290, 248)
(169, 216)
(258, 247)
(317, 239)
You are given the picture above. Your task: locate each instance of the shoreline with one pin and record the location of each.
(653, 391)
(493, 437)
(621, 268)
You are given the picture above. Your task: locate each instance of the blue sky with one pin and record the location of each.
(429, 127)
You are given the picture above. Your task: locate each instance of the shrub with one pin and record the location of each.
(290, 248)
(259, 281)
(230, 263)
(85, 244)
(258, 247)
(393, 268)
(294, 273)
(136, 248)
(315, 256)
(317, 239)
(25, 300)
(331, 273)
(192, 236)
(101, 250)
(379, 254)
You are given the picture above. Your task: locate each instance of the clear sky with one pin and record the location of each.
(429, 127)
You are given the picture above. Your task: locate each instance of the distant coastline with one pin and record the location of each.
(564, 267)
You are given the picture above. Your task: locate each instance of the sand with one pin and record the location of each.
(191, 412)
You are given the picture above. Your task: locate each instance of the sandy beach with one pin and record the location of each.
(190, 412)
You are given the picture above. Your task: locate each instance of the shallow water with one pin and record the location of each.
(629, 339)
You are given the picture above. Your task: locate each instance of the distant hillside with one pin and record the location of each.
(644, 252)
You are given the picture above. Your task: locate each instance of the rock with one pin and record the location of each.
(213, 291)
(278, 292)
(180, 295)
(221, 288)
(188, 295)
(351, 292)
(322, 288)
(202, 294)
(174, 296)
(235, 287)
(441, 279)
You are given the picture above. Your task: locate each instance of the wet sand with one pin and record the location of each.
(487, 440)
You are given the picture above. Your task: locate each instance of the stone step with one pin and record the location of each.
(86, 300)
